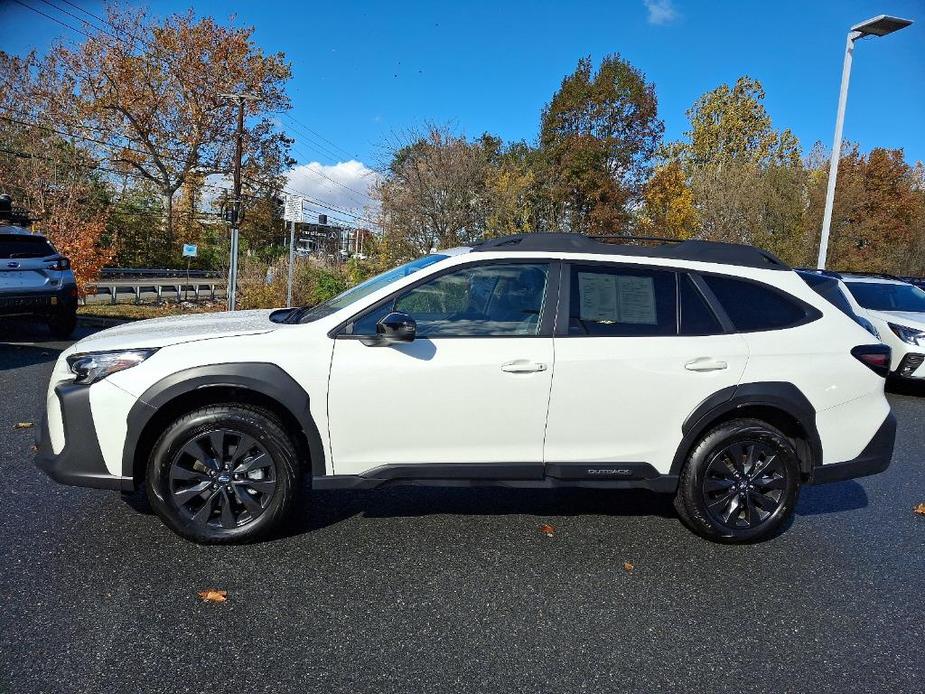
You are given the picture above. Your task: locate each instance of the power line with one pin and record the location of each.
(318, 135)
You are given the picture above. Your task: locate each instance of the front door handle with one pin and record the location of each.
(705, 364)
(522, 366)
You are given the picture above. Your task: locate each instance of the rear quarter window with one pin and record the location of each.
(754, 307)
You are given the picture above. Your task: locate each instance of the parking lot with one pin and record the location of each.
(432, 590)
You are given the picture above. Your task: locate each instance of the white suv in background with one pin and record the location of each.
(705, 370)
(897, 309)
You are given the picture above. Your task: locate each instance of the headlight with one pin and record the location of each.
(91, 367)
(911, 335)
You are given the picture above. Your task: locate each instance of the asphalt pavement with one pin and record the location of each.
(456, 590)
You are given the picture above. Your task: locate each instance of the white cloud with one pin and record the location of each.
(347, 185)
(660, 11)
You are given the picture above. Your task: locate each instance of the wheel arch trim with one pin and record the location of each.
(784, 397)
(263, 378)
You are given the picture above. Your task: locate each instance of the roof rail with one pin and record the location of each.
(866, 273)
(691, 249)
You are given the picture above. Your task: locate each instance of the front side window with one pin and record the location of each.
(608, 301)
(880, 296)
(754, 307)
(364, 289)
(491, 300)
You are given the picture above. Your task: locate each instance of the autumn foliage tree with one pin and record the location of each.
(148, 98)
(54, 180)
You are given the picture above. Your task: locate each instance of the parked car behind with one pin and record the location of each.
(897, 310)
(36, 282)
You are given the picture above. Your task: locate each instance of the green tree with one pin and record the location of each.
(597, 137)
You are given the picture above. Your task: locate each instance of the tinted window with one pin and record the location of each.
(753, 307)
(485, 300)
(696, 316)
(828, 289)
(22, 246)
(879, 296)
(614, 301)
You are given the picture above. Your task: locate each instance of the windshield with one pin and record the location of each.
(366, 288)
(22, 246)
(888, 297)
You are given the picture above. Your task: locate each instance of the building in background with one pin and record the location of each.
(330, 240)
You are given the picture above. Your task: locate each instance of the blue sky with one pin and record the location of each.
(364, 71)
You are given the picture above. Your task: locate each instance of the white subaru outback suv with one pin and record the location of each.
(705, 370)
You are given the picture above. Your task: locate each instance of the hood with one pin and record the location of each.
(160, 332)
(912, 319)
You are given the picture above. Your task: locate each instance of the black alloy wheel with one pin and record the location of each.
(222, 478)
(223, 474)
(744, 484)
(740, 482)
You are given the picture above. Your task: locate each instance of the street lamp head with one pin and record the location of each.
(881, 25)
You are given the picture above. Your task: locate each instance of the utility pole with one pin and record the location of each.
(236, 201)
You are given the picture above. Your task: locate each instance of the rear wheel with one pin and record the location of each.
(740, 483)
(223, 474)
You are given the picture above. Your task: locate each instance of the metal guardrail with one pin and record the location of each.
(180, 286)
(128, 272)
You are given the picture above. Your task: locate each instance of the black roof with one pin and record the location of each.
(702, 251)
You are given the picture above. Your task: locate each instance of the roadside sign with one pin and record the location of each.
(190, 250)
(293, 209)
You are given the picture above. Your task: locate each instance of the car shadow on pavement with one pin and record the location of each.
(331, 507)
(906, 387)
(13, 356)
(831, 498)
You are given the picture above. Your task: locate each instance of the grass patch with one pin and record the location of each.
(143, 311)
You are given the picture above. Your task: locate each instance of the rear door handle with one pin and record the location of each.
(705, 364)
(522, 366)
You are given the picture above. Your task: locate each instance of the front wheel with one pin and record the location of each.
(740, 483)
(223, 474)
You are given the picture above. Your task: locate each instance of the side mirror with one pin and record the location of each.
(395, 327)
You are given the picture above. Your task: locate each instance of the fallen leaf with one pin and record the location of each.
(547, 529)
(628, 566)
(213, 595)
(35, 449)
(920, 509)
(23, 425)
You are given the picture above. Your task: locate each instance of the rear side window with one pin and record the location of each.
(614, 301)
(753, 307)
(697, 318)
(22, 246)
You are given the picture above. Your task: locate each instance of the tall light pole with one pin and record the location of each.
(239, 98)
(878, 26)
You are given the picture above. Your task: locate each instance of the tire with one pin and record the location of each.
(226, 496)
(62, 324)
(740, 483)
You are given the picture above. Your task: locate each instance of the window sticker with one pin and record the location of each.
(598, 297)
(636, 299)
(608, 299)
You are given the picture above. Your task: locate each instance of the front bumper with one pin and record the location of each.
(43, 302)
(80, 462)
(874, 458)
